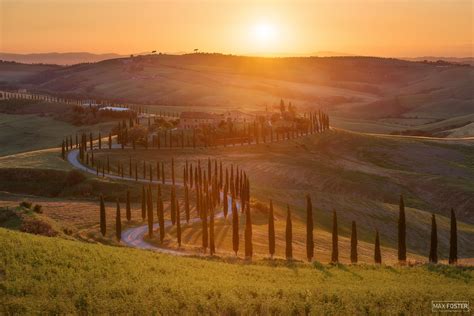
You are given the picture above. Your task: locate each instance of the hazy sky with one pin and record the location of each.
(368, 27)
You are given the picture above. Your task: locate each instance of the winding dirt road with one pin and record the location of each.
(134, 237)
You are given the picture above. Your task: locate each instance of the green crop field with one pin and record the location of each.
(56, 276)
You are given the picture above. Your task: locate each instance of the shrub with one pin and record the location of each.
(37, 227)
(25, 204)
(38, 209)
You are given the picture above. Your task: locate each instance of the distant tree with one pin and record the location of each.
(289, 235)
(248, 233)
(282, 106)
(128, 208)
(309, 229)
(110, 140)
(63, 151)
(212, 244)
(402, 248)
(453, 240)
(173, 205)
(102, 216)
(335, 246)
(143, 203)
(178, 224)
(377, 253)
(226, 202)
(434, 241)
(100, 141)
(161, 218)
(150, 212)
(118, 223)
(205, 236)
(235, 227)
(186, 202)
(354, 256)
(271, 231)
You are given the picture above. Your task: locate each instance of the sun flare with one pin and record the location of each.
(265, 33)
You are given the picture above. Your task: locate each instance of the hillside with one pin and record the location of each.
(408, 93)
(103, 279)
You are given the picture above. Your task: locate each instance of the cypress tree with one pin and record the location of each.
(309, 229)
(271, 231)
(235, 228)
(172, 170)
(143, 203)
(173, 205)
(110, 140)
(434, 241)
(63, 151)
(186, 202)
(150, 212)
(102, 216)
(118, 223)
(226, 202)
(335, 246)
(248, 234)
(178, 224)
(453, 240)
(161, 217)
(289, 235)
(354, 256)
(205, 236)
(212, 244)
(377, 253)
(128, 208)
(402, 248)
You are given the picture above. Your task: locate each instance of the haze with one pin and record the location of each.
(269, 28)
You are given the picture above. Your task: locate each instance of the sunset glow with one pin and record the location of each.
(367, 27)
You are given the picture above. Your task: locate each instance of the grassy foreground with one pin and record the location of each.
(53, 275)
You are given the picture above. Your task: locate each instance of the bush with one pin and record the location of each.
(25, 204)
(38, 209)
(37, 227)
(74, 177)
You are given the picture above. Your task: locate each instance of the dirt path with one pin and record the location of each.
(134, 237)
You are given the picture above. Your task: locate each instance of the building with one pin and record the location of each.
(190, 120)
(236, 116)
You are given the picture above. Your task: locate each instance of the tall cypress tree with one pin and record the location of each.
(143, 203)
(118, 223)
(102, 216)
(434, 241)
(161, 217)
(402, 248)
(377, 253)
(235, 227)
(335, 245)
(354, 256)
(178, 223)
(289, 235)
(226, 202)
(128, 208)
(248, 234)
(212, 244)
(186, 202)
(150, 212)
(453, 240)
(271, 231)
(173, 205)
(309, 229)
(205, 236)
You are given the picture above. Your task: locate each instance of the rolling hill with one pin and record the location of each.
(410, 94)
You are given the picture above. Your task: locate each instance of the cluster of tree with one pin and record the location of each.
(235, 195)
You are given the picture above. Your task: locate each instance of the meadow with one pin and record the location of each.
(103, 279)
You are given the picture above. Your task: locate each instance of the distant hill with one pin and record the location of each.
(413, 93)
(58, 58)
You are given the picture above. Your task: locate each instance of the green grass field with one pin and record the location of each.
(56, 276)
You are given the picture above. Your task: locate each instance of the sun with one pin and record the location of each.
(265, 33)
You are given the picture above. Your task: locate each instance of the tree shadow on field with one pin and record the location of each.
(319, 266)
(453, 272)
(344, 268)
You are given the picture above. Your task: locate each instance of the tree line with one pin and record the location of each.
(230, 190)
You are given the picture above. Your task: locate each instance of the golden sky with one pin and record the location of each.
(292, 27)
